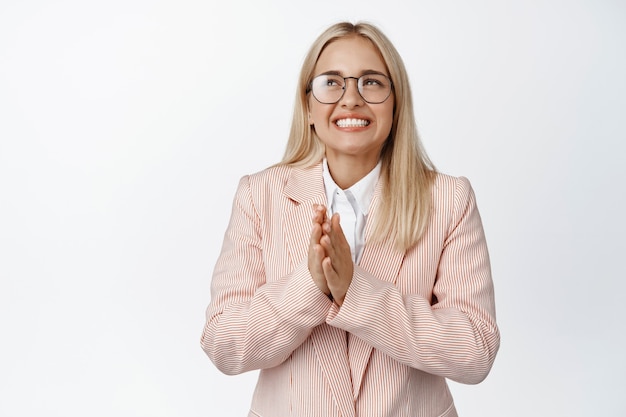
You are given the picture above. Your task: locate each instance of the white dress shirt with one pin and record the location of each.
(353, 206)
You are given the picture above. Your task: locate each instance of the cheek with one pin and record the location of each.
(387, 116)
(318, 114)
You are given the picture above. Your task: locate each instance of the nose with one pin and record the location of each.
(351, 96)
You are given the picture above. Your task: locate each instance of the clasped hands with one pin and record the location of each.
(330, 260)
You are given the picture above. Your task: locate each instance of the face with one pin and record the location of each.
(351, 128)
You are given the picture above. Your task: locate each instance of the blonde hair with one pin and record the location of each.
(407, 172)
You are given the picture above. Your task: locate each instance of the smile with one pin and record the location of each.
(352, 123)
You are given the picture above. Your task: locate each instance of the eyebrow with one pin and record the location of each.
(364, 72)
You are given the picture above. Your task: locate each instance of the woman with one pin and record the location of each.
(352, 274)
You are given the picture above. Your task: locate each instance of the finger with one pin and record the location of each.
(315, 257)
(333, 230)
(319, 213)
(337, 285)
(318, 255)
(327, 243)
(317, 217)
(335, 226)
(316, 234)
(327, 223)
(329, 271)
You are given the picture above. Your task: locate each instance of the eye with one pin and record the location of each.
(372, 82)
(333, 81)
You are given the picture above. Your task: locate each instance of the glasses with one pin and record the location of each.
(329, 88)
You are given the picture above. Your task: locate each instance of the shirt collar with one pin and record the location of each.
(363, 190)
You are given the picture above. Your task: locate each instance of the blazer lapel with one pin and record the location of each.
(383, 261)
(304, 188)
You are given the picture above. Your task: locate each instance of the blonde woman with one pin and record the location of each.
(353, 275)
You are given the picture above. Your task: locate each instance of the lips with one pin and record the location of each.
(352, 122)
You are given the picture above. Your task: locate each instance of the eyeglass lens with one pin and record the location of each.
(329, 88)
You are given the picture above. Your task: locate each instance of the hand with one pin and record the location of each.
(337, 265)
(316, 251)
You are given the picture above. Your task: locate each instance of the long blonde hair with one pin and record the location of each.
(407, 172)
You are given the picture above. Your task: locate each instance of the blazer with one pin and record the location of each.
(409, 320)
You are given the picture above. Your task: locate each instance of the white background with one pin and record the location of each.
(125, 126)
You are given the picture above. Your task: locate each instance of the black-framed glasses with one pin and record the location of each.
(329, 88)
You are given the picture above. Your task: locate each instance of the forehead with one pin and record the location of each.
(350, 56)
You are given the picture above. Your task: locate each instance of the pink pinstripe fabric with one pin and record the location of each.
(413, 319)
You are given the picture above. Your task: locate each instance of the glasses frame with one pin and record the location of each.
(345, 85)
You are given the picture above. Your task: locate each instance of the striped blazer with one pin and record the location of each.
(409, 319)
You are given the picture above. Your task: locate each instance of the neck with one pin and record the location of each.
(348, 171)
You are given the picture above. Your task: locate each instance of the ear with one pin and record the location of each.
(311, 123)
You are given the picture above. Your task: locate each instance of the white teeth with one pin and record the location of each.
(352, 123)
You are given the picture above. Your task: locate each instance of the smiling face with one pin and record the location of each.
(352, 130)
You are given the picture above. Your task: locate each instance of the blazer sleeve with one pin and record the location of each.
(455, 335)
(251, 322)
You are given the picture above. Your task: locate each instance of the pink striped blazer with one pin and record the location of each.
(409, 320)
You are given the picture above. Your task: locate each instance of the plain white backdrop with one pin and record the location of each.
(125, 126)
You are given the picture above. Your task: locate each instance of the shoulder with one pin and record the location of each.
(261, 185)
(274, 171)
(452, 194)
(272, 176)
(446, 181)
(298, 183)
(446, 185)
